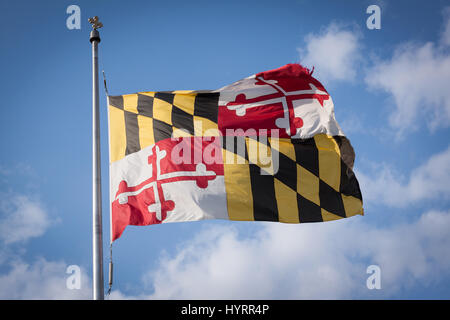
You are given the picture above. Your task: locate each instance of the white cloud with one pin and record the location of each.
(428, 181)
(417, 78)
(21, 218)
(41, 280)
(352, 124)
(334, 53)
(323, 261)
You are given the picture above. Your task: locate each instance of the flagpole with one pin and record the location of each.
(97, 243)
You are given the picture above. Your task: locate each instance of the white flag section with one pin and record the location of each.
(150, 170)
(297, 113)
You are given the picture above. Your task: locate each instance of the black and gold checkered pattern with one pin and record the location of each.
(142, 119)
(312, 182)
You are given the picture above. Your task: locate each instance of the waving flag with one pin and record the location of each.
(264, 148)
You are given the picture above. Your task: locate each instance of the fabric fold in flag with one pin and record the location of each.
(265, 148)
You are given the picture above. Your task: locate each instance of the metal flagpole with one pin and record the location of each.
(97, 243)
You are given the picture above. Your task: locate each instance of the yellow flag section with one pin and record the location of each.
(290, 180)
(142, 119)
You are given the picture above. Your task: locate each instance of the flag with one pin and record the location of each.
(265, 148)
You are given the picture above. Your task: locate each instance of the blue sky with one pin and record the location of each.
(390, 90)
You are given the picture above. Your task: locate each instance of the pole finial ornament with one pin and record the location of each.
(96, 24)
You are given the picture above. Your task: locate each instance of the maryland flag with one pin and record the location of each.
(265, 148)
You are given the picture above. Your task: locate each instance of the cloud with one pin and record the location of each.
(21, 218)
(417, 78)
(426, 182)
(309, 261)
(341, 64)
(118, 295)
(352, 124)
(41, 280)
